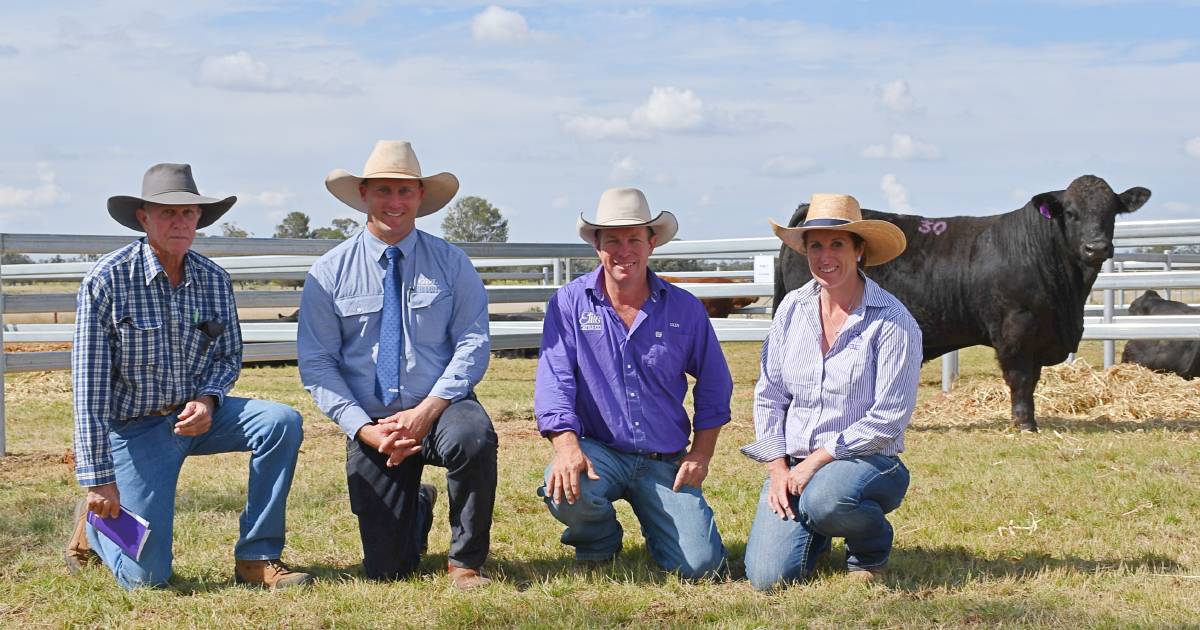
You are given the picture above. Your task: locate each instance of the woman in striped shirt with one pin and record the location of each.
(836, 390)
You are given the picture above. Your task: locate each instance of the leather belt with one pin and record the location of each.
(663, 457)
(165, 411)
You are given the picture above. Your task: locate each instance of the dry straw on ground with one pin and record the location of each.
(1122, 392)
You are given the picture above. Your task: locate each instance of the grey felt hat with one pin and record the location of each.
(170, 184)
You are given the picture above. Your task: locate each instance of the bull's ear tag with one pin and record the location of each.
(1045, 211)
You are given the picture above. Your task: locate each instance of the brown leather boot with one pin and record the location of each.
(873, 574)
(466, 578)
(79, 551)
(271, 574)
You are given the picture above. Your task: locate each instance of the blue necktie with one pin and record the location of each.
(391, 333)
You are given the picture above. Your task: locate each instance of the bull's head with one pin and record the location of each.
(1086, 211)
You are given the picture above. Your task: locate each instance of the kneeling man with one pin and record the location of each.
(157, 348)
(616, 346)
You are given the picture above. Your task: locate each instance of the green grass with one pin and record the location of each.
(1087, 524)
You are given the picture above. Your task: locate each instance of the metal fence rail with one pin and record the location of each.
(288, 259)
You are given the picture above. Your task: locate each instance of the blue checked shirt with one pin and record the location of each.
(854, 401)
(138, 347)
(444, 316)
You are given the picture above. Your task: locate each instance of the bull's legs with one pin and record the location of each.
(1022, 377)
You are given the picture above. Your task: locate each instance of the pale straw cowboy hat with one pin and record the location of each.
(169, 184)
(826, 211)
(626, 207)
(393, 159)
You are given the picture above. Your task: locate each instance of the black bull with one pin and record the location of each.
(1178, 357)
(1016, 281)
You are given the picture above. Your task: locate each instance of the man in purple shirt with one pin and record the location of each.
(616, 346)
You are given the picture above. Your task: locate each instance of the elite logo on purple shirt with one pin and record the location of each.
(589, 322)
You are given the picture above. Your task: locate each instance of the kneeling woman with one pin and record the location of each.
(837, 387)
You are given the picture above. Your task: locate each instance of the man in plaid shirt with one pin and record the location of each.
(157, 348)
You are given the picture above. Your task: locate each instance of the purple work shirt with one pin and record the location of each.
(625, 387)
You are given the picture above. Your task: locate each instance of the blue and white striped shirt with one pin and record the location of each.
(856, 399)
(139, 346)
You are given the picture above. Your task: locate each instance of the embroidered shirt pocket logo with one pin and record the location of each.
(589, 322)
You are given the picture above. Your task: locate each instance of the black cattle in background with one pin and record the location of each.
(1016, 281)
(1161, 355)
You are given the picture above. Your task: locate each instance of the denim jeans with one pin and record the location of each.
(681, 533)
(846, 498)
(148, 455)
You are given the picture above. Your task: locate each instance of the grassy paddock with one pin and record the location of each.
(1091, 522)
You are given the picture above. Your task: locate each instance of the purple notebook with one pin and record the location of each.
(128, 530)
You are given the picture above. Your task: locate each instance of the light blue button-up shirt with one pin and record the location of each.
(444, 312)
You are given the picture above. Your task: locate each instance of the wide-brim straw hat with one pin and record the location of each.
(884, 241)
(393, 159)
(169, 184)
(627, 207)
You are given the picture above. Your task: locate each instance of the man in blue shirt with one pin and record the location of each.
(393, 337)
(616, 347)
(157, 348)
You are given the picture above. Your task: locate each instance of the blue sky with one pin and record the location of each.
(726, 113)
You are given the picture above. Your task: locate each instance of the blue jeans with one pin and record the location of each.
(680, 531)
(846, 498)
(148, 455)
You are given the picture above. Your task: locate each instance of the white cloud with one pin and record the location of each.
(1179, 207)
(666, 110)
(670, 109)
(896, 97)
(239, 72)
(597, 128)
(623, 169)
(497, 25)
(561, 202)
(1193, 147)
(789, 166)
(270, 198)
(903, 147)
(897, 194)
(45, 193)
(705, 200)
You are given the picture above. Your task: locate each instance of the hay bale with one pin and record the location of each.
(1123, 392)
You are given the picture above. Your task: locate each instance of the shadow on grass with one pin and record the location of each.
(1072, 425)
(954, 566)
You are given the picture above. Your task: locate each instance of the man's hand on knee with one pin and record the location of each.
(104, 500)
(196, 417)
(693, 468)
(569, 462)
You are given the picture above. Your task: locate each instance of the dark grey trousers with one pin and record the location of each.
(394, 517)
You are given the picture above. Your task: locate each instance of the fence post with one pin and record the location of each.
(3, 362)
(949, 370)
(567, 270)
(545, 276)
(1167, 267)
(1110, 346)
(557, 262)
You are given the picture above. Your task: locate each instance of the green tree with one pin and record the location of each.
(13, 258)
(233, 230)
(294, 225)
(474, 220)
(342, 229)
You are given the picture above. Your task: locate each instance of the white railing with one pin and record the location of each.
(288, 259)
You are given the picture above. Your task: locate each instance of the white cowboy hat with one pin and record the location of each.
(627, 207)
(169, 184)
(826, 211)
(393, 159)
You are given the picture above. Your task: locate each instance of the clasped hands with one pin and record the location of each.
(399, 435)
